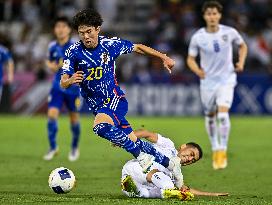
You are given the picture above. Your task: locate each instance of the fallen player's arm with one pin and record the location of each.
(204, 193)
(150, 136)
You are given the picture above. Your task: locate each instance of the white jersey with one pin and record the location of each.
(165, 146)
(216, 55)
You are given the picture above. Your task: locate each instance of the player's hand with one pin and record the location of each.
(200, 73)
(239, 67)
(168, 63)
(220, 194)
(77, 77)
(184, 188)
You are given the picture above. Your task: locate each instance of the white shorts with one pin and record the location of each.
(211, 99)
(133, 169)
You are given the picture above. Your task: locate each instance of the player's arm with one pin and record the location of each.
(192, 64)
(69, 76)
(196, 192)
(150, 136)
(66, 81)
(204, 193)
(51, 62)
(53, 66)
(10, 67)
(239, 67)
(145, 50)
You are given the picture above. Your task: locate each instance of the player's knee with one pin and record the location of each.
(103, 118)
(211, 114)
(223, 109)
(53, 113)
(74, 118)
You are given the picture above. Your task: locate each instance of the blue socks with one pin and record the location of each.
(52, 128)
(75, 128)
(118, 137)
(149, 149)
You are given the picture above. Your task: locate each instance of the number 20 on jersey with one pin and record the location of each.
(95, 73)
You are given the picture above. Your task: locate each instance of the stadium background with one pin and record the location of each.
(25, 27)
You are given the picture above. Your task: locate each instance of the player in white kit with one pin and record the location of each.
(214, 44)
(158, 182)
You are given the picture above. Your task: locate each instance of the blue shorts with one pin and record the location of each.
(117, 108)
(58, 97)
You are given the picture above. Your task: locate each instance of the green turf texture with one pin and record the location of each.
(24, 175)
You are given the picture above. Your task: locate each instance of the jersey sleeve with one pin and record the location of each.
(121, 46)
(164, 142)
(237, 38)
(69, 62)
(50, 53)
(6, 56)
(193, 47)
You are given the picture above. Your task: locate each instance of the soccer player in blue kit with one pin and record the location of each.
(58, 95)
(90, 63)
(5, 60)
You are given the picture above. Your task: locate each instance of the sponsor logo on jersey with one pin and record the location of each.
(225, 37)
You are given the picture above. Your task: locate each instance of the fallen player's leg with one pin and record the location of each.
(155, 184)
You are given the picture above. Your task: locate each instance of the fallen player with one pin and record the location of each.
(158, 182)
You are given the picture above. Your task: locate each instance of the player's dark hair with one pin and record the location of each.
(63, 19)
(88, 17)
(197, 146)
(212, 4)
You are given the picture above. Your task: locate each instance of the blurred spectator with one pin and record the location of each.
(166, 25)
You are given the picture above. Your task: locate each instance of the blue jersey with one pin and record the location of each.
(98, 65)
(56, 53)
(5, 56)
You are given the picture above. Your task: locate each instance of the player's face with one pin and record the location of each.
(188, 155)
(89, 35)
(62, 30)
(212, 17)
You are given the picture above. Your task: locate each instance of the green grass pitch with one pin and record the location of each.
(24, 175)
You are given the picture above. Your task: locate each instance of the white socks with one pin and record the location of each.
(224, 129)
(211, 128)
(162, 181)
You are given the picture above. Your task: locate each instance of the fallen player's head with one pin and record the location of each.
(189, 153)
(87, 23)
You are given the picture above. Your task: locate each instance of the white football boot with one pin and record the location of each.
(146, 161)
(73, 155)
(51, 154)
